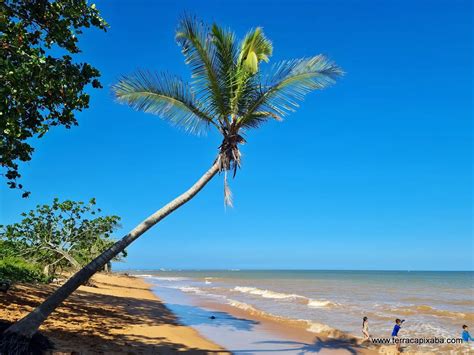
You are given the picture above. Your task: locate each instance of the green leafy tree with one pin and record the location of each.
(64, 235)
(41, 84)
(10, 248)
(229, 93)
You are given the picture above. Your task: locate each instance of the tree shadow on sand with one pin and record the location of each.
(319, 344)
(90, 323)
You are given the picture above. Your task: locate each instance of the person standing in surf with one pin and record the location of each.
(365, 328)
(466, 337)
(396, 329)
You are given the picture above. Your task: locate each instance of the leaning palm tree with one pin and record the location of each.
(228, 93)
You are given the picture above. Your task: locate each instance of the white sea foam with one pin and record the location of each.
(142, 275)
(168, 278)
(279, 295)
(190, 289)
(265, 293)
(161, 278)
(241, 305)
(310, 326)
(319, 304)
(208, 279)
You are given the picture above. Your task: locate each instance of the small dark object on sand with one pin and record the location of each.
(212, 317)
(89, 283)
(4, 286)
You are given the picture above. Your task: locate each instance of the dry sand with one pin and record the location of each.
(118, 316)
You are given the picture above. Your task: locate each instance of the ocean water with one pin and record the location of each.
(434, 304)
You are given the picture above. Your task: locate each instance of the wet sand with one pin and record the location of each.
(119, 316)
(292, 337)
(244, 332)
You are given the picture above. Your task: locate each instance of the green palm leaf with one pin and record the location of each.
(226, 59)
(163, 95)
(287, 85)
(196, 42)
(254, 48)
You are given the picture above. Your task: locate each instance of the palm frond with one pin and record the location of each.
(164, 95)
(255, 48)
(255, 119)
(288, 84)
(226, 60)
(227, 192)
(196, 42)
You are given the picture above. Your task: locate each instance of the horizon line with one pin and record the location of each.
(251, 269)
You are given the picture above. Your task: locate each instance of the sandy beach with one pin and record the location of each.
(120, 315)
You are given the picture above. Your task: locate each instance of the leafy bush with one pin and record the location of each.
(17, 269)
(62, 236)
(9, 248)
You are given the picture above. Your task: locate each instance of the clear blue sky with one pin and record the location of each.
(373, 173)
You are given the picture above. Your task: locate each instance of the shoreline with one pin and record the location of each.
(242, 331)
(126, 314)
(296, 333)
(251, 324)
(119, 315)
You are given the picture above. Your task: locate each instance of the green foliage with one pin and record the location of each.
(63, 235)
(9, 248)
(19, 270)
(40, 87)
(162, 94)
(229, 91)
(254, 49)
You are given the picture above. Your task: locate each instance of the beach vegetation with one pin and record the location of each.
(42, 85)
(14, 269)
(60, 237)
(230, 92)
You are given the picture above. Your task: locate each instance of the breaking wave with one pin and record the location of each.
(278, 295)
(265, 293)
(161, 278)
(142, 275)
(190, 289)
(319, 304)
(310, 326)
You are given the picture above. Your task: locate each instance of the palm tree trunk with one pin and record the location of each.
(16, 338)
